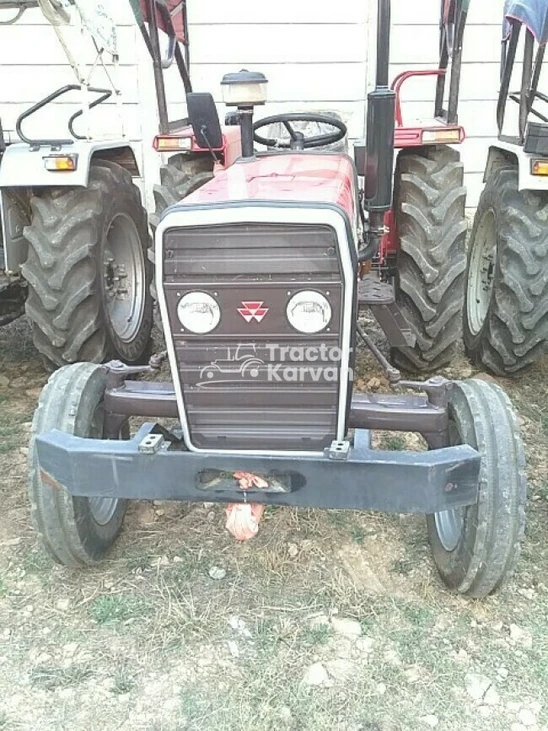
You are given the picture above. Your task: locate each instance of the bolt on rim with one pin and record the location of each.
(481, 273)
(124, 277)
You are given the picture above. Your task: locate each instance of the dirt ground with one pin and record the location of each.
(325, 622)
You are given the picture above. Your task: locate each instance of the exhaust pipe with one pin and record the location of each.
(381, 107)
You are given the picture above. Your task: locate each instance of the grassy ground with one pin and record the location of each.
(150, 641)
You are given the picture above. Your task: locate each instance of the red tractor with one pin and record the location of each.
(265, 256)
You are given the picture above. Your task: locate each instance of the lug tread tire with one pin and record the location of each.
(179, 177)
(64, 303)
(429, 203)
(66, 528)
(515, 331)
(493, 528)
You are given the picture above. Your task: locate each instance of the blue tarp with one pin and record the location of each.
(532, 13)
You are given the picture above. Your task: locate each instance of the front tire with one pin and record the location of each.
(429, 203)
(87, 270)
(75, 531)
(476, 548)
(505, 314)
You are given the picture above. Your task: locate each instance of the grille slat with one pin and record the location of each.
(259, 250)
(309, 398)
(231, 397)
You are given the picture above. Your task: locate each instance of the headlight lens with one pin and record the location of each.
(309, 312)
(198, 312)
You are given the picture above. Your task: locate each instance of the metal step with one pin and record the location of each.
(371, 291)
(380, 298)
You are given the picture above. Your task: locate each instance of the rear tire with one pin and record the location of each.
(429, 203)
(476, 548)
(80, 240)
(75, 531)
(181, 176)
(506, 307)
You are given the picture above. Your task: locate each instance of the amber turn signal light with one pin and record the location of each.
(61, 163)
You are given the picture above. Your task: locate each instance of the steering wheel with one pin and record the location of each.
(298, 140)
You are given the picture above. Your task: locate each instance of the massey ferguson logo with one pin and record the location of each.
(253, 311)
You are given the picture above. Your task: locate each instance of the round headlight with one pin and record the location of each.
(198, 312)
(309, 312)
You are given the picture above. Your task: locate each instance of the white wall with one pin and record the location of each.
(315, 55)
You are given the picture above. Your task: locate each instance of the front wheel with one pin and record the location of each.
(75, 531)
(476, 548)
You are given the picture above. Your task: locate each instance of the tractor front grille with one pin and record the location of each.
(254, 383)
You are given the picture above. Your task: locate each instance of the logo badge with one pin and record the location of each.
(253, 311)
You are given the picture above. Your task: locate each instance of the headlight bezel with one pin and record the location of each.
(198, 297)
(308, 296)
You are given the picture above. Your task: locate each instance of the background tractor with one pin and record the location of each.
(505, 317)
(75, 238)
(266, 256)
(73, 249)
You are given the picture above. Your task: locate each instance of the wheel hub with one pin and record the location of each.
(449, 525)
(481, 274)
(102, 509)
(124, 277)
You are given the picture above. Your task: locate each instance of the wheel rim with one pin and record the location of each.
(483, 259)
(124, 277)
(449, 525)
(102, 509)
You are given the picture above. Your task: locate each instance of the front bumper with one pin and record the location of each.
(368, 479)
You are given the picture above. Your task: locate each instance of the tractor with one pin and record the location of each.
(505, 314)
(261, 270)
(75, 234)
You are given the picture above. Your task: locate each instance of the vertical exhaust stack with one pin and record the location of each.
(381, 103)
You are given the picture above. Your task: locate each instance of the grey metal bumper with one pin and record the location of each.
(403, 482)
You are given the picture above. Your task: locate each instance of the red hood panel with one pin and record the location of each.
(302, 178)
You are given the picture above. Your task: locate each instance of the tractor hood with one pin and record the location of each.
(323, 179)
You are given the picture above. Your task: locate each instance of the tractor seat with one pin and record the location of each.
(531, 13)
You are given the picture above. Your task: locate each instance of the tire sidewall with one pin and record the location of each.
(123, 200)
(493, 200)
